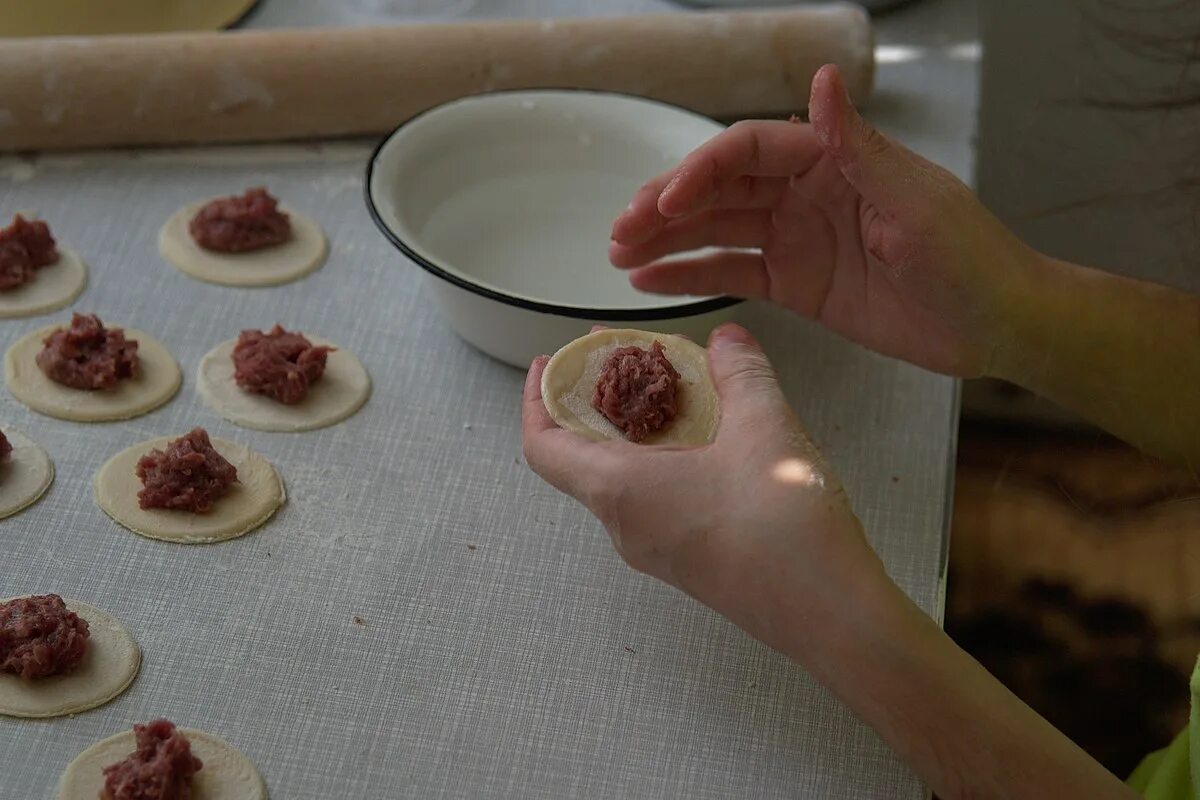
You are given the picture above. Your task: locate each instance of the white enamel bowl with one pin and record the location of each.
(506, 201)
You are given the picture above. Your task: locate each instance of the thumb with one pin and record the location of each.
(746, 383)
(872, 163)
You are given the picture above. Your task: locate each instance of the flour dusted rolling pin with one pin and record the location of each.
(253, 86)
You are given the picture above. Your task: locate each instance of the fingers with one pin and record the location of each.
(535, 419)
(760, 148)
(748, 191)
(735, 274)
(710, 229)
(873, 164)
(642, 220)
(746, 384)
(562, 458)
(745, 166)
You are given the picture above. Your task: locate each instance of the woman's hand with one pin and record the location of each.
(840, 224)
(755, 514)
(757, 527)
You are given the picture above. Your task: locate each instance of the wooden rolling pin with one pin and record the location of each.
(63, 93)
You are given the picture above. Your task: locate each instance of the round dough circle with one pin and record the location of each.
(26, 476)
(340, 392)
(249, 503)
(271, 266)
(570, 380)
(108, 668)
(56, 286)
(226, 775)
(158, 382)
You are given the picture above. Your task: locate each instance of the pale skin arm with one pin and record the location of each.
(1122, 353)
(963, 732)
(779, 552)
(893, 252)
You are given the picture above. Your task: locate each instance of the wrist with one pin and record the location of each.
(1034, 306)
(854, 610)
(794, 590)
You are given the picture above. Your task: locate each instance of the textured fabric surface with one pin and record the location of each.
(535, 665)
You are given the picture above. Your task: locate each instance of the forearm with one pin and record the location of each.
(956, 725)
(1124, 354)
(952, 722)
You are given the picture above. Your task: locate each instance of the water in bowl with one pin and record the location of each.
(540, 234)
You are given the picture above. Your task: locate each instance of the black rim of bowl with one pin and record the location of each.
(578, 312)
(241, 19)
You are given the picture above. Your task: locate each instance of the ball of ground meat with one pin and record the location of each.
(161, 768)
(40, 637)
(189, 475)
(25, 247)
(88, 356)
(638, 391)
(240, 224)
(278, 364)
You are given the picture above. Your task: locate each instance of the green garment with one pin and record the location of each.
(1174, 773)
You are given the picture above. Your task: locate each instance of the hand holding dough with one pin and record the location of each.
(570, 377)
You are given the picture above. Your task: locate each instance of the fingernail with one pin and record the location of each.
(731, 334)
(664, 194)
